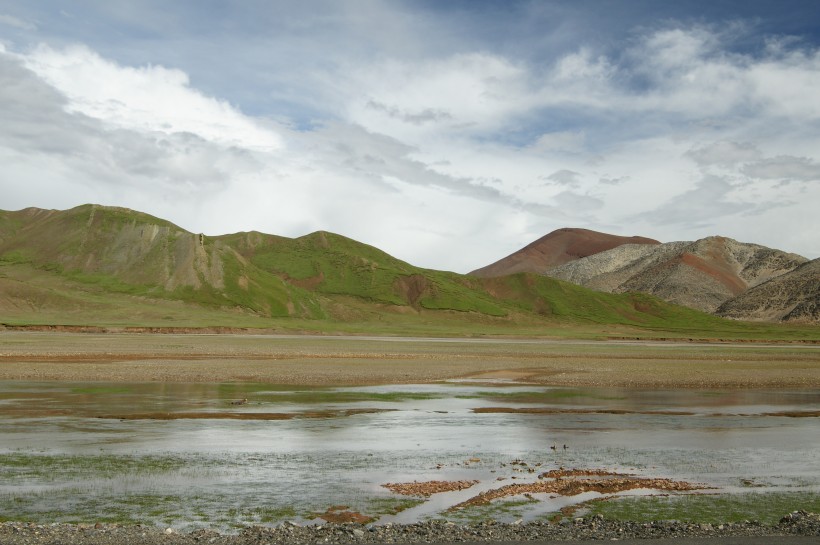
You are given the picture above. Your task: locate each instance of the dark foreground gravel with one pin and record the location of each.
(798, 523)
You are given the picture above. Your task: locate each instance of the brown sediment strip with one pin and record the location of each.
(551, 410)
(610, 483)
(561, 473)
(341, 514)
(428, 488)
(239, 415)
(792, 414)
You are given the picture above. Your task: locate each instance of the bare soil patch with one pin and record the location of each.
(428, 488)
(574, 482)
(341, 514)
(550, 410)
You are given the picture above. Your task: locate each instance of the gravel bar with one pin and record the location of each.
(798, 523)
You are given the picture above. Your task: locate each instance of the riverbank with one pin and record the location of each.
(798, 523)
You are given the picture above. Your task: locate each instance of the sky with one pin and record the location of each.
(446, 133)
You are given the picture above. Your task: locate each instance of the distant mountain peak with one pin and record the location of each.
(557, 248)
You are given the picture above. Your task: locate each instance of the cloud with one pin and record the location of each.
(337, 172)
(724, 153)
(15, 22)
(358, 122)
(564, 177)
(378, 158)
(634, 120)
(785, 83)
(613, 181)
(675, 80)
(414, 118)
(464, 93)
(708, 203)
(148, 98)
(784, 167)
(560, 141)
(576, 203)
(70, 158)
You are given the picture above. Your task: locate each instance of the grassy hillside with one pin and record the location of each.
(95, 265)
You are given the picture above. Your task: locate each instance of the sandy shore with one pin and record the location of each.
(303, 360)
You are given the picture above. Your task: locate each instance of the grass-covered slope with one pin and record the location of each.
(112, 266)
(333, 265)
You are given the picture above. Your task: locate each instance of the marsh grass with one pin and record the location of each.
(541, 396)
(765, 507)
(37, 468)
(391, 506)
(183, 491)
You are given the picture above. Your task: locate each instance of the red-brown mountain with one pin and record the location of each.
(555, 249)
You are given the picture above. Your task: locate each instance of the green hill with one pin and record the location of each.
(95, 265)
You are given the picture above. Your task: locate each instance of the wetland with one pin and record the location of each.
(222, 432)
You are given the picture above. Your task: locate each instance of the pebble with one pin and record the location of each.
(798, 523)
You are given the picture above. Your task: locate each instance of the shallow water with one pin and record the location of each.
(98, 451)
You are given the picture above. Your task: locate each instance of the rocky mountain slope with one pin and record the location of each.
(703, 274)
(791, 297)
(555, 249)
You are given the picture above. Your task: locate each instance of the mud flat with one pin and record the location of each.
(303, 360)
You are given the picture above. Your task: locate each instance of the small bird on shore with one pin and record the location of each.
(240, 401)
(553, 447)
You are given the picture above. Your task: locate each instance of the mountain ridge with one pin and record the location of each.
(58, 261)
(97, 265)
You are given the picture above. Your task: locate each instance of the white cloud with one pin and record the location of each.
(583, 66)
(471, 93)
(786, 84)
(339, 177)
(149, 98)
(674, 139)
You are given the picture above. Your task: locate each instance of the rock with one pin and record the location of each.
(798, 523)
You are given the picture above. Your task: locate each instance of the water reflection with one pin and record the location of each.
(77, 442)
